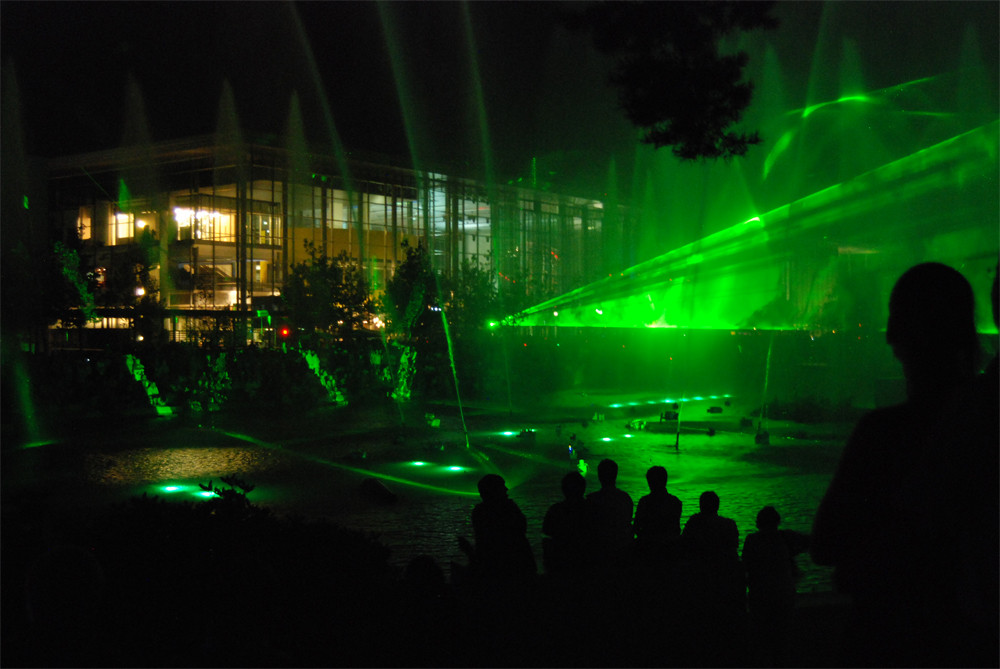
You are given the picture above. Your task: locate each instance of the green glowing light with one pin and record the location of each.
(492, 325)
(846, 98)
(171, 488)
(26, 202)
(418, 463)
(204, 493)
(456, 468)
(39, 444)
(615, 406)
(508, 433)
(628, 436)
(606, 439)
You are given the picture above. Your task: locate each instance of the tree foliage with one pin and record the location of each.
(673, 82)
(329, 295)
(411, 292)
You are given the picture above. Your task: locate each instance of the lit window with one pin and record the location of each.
(84, 223)
(123, 226)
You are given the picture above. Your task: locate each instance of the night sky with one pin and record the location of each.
(543, 86)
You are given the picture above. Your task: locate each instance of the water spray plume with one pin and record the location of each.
(737, 271)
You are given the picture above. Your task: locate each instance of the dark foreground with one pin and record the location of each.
(226, 583)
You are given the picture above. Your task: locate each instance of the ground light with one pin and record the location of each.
(356, 470)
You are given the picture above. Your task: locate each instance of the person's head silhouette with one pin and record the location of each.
(573, 485)
(768, 519)
(656, 478)
(708, 503)
(932, 327)
(607, 473)
(492, 488)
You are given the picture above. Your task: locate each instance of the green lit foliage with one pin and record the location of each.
(673, 81)
(414, 327)
(410, 293)
(472, 302)
(327, 296)
(471, 298)
(69, 261)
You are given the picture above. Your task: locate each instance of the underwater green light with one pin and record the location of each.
(606, 439)
(171, 488)
(628, 436)
(204, 493)
(418, 463)
(508, 433)
(456, 468)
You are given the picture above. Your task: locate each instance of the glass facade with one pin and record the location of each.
(226, 223)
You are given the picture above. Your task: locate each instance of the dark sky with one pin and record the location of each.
(543, 87)
(73, 62)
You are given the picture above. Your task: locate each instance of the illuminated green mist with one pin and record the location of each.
(740, 276)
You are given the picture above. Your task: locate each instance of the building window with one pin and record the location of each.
(123, 227)
(85, 223)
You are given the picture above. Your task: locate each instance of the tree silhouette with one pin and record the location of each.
(673, 81)
(327, 295)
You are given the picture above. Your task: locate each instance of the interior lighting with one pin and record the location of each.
(140, 224)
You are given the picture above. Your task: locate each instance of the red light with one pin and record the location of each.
(285, 332)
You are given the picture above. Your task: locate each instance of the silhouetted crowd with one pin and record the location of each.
(623, 583)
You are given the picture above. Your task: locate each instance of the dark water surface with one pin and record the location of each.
(308, 468)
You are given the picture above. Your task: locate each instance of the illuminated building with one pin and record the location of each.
(220, 225)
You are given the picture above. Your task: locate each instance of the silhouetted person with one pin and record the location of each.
(713, 542)
(769, 561)
(708, 536)
(612, 514)
(567, 526)
(502, 551)
(658, 518)
(882, 522)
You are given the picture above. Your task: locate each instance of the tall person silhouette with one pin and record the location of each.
(873, 524)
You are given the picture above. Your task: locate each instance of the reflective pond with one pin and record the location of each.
(433, 477)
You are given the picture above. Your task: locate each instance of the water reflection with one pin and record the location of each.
(436, 497)
(151, 465)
